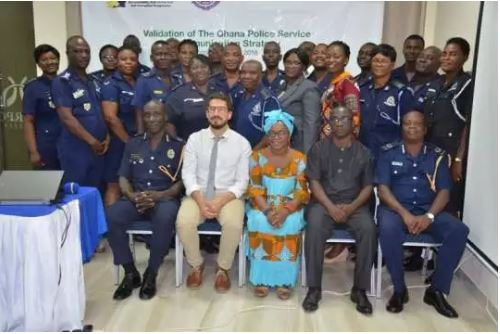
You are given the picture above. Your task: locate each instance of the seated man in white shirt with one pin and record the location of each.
(215, 174)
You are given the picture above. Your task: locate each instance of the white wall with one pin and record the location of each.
(446, 19)
(49, 22)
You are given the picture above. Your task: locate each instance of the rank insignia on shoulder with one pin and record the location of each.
(387, 146)
(171, 154)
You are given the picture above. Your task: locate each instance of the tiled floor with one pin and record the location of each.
(175, 309)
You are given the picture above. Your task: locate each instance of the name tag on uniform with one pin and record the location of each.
(397, 163)
(78, 93)
(390, 102)
(158, 92)
(127, 92)
(189, 99)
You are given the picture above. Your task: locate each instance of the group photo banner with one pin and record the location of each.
(251, 24)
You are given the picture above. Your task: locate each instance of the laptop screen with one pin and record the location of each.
(29, 185)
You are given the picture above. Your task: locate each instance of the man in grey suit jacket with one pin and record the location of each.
(301, 98)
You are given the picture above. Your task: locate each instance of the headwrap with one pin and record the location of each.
(275, 116)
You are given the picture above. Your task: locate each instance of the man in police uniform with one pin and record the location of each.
(273, 78)
(414, 186)
(228, 81)
(413, 45)
(424, 84)
(251, 102)
(156, 84)
(84, 139)
(364, 61)
(150, 181)
(383, 102)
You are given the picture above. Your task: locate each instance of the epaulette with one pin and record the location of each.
(265, 93)
(65, 75)
(30, 82)
(398, 84)
(390, 146)
(436, 149)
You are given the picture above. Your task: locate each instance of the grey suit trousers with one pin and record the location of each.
(320, 227)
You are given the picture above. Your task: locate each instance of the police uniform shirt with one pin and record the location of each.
(422, 92)
(177, 76)
(220, 82)
(399, 74)
(324, 83)
(382, 110)
(414, 181)
(447, 111)
(99, 76)
(248, 116)
(117, 89)
(149, 87)
(37, 102)
(141, 69)
(82, 97)
(277, 85)
(141, 165)
(362, 78)
(342, 172)
(187, 107)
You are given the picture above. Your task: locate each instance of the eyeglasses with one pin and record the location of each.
(277, 134)
(109, 57)
(342, 119)
(221, 109)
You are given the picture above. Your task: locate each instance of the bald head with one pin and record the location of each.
(74, 40)
(78, 52)
(428, 61)
(154, 117)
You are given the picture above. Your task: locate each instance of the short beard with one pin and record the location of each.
(217, 127)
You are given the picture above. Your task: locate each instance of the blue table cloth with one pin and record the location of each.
(92, 217)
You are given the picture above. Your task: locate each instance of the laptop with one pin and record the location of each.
(29, 187)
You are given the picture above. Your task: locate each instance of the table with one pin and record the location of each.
(41, 252)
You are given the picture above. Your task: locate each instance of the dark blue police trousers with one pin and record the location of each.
(445, 229)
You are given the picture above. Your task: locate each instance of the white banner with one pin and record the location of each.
(249, 23)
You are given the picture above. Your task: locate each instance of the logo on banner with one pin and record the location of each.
(206, 5)
(115, 4)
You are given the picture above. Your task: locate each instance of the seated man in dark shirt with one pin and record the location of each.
(340, 172)
(150, 181)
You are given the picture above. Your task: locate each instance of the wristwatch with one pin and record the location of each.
(430, 215)
(457, 159)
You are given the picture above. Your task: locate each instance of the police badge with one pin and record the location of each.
(171, 154)
(87, 106)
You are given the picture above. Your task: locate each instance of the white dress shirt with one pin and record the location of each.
(231, 172)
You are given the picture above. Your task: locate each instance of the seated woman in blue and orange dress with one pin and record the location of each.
(277, 192)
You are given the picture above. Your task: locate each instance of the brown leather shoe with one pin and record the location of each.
(222, 282)
(195, 277)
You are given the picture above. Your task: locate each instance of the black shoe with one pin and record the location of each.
(395, 304)
(148, 287)
(363, 305)
(436, 299)
(310, 303)
(130, 282)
